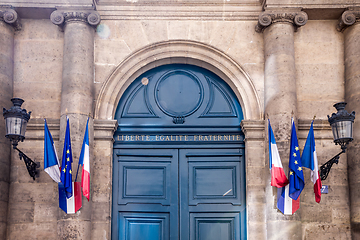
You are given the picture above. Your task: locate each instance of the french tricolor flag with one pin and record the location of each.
(278, 177)
(285, 204)
(51, 160)
(309, 160)
(85, 162)
(73, 204)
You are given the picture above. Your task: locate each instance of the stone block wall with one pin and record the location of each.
(38, 76)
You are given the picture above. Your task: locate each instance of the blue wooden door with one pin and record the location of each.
(212, 200)
(147, 194)
(195, 194)
(178, 170)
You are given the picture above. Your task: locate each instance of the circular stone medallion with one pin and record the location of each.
(178, 93)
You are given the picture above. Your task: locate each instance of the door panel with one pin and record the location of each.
(144, 226)
(179, 194)
(146, 183)
(214, 203)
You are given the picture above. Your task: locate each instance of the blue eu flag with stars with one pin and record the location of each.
(66, 172)
(296, 175)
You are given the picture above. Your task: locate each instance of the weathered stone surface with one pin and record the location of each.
(73, 229)
(21, 212)
(100, 230)
(44, 230)
(327, 231)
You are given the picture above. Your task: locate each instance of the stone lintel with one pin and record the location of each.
(348, 18)
(61, 16)
(10, 16)
(295, 17)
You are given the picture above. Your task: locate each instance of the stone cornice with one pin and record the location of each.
(104, 129)
(348, 18)
(62, 17)
(296, 18)
(253, 129)
(10, 17)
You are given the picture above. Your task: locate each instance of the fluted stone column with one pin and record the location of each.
(77, 101)
(350, 25)
(280, 104)
(8, 23)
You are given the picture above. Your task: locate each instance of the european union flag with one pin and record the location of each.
(296, 175)
(66, 174)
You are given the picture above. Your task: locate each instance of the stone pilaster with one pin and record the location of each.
(280, 105)
(349, 25)
(9, 22)
(77, 101)
(254, 131)
(101, 187)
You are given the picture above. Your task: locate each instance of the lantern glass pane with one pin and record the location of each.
(342, 130)
(15, 126)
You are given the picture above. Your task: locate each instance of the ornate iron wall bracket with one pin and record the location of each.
(325, 168)
(30, 164)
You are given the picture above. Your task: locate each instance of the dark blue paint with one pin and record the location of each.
(178, 190)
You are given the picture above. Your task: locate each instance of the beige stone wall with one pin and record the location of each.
(116, 41)
(33, 205)
(38, 67)
(38, 57)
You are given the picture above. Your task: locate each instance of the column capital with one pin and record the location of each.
(62, 17)
(10, 16)
(296, 18)
(348, 18)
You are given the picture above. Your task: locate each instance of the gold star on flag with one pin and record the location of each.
(291, 173)
(68, 159)
(70, 171)
(295, 162)
(294, 155)
(64, 170)
(297, 148)
(299, 168)
(67, 151)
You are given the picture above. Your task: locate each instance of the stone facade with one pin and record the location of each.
(281, 58)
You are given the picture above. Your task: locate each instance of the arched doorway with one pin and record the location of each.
(178, 170)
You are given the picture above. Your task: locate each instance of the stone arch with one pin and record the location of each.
(178, 51)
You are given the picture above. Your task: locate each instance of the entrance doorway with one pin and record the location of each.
(178, 170)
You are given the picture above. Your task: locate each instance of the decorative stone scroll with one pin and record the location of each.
(348, 18)
(10, 17)
(266, 18)
(61, 17)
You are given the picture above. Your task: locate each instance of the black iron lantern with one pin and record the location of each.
(342, 125)
(342, 128)
(16, 120)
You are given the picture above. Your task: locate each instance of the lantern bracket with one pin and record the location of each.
(30, 164)
(325, 168)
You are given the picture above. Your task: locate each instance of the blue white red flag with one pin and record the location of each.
(66, 172)
(296, 175)
(73, 204)
(285, 204)
(85, 162)
(51, 160)
(309, 160)
(278, 177)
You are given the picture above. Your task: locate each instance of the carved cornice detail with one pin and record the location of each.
(10, 17)
(297, 18)
(348, 18)
(61, 17)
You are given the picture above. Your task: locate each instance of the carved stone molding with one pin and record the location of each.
(348, 18)
(10, 17)
(297, 18)
(62, 17)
